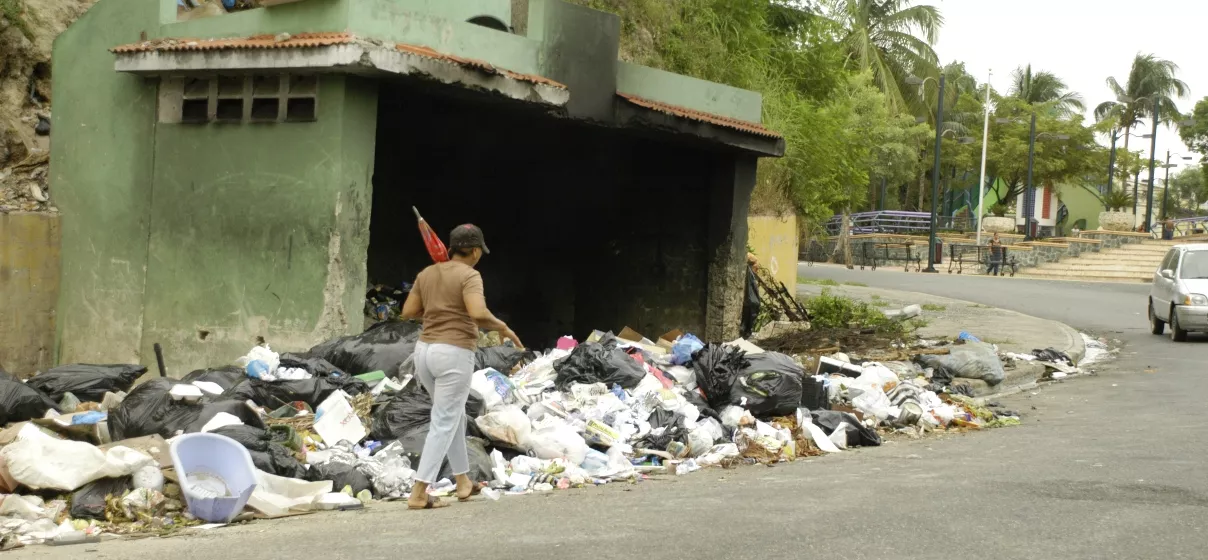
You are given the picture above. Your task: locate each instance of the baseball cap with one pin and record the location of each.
(467, 236)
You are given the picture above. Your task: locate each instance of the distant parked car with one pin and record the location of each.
(1179, 295)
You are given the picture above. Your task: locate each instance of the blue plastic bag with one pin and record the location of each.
(88, 418)
(684, 347)
(968, 337)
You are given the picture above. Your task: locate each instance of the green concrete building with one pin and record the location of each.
(241, 178)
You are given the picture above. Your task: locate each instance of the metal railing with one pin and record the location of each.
(1190, 226)
(887, 221)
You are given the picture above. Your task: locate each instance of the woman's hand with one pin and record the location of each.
(511, 335)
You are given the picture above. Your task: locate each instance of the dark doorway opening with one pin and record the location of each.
(589, 227)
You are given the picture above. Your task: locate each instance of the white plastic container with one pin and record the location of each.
(216, 475)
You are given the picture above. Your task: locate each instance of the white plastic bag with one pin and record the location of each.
(265, 355)
(336, 421)
(492, 387)
(558, 442)
(48, 463)
(733, 416)
(277, 495)
(701, 438)
(683, 376)
(507, 424)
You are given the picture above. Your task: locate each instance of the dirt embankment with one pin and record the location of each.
(27, 32)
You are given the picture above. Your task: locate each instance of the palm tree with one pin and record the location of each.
(890, 38)
(1150, 78)
(1041, 88)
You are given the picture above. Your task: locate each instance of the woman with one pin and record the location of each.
(448, 296)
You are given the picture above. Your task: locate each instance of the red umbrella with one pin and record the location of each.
(436, 248)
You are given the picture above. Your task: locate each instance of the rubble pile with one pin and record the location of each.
(89, 452)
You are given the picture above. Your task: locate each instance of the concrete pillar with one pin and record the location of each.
(729, 200)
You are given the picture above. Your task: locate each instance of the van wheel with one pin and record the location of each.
(1177, 333)
(1156, 325)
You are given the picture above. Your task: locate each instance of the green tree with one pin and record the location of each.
(1188, 190)
(1149, 78)
(1065, 149)
(1195, 134)
(1045, 88)
(892, 39)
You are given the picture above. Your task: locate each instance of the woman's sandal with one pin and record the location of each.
(432, 503)
(474, 491)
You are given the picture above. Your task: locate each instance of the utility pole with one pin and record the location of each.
(935, 178)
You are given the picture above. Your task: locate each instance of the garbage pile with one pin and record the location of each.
(343, 424)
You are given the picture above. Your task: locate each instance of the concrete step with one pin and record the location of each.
(1083, 278)
(1110, 257)
(1105, 274)
(1076, 267)
(1143, 248)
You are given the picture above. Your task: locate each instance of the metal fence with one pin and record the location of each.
(1191, 226)
(887, 221)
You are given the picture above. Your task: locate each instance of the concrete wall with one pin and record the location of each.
(774, 241)
(100, 173)
(1083, 205)
(259, 232)
(29, 291)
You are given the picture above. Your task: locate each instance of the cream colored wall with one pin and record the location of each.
(774, 241)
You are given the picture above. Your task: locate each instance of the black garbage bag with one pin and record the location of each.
(695, 399)
(384, 346)
(225, 377)
(480, 462)
(601, 362)
(411, 409)
(267, 455)
(661, 418)
(149, 409)
(313, 391)
(767, 394)
(314, 365)
(89, 501)
(716, 369)
(499, 358)
(340, 475)
(88, 382)
(1052, 355)
(857, 433)
(20, 402)
(770, 386)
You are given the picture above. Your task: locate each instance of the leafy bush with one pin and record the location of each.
(999, 210)
(828, 311)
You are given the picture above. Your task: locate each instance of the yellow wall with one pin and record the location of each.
(29, 291)
(774, 241)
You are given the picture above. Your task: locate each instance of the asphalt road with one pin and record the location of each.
(1108, 466)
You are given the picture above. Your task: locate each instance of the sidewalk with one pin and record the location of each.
(946, 318)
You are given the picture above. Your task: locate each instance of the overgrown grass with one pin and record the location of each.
(14, 12)
(933, 307)
(856, 284)
(829, 311)
(817, 281)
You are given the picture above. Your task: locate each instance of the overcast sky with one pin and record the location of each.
(1082, 41)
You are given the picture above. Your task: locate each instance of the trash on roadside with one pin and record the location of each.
(973, 360)
(88, 382)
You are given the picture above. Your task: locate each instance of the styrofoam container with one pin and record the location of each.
(216, 475)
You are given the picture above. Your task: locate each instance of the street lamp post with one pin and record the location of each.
(935, 170)
(981, 183)
(1111, 162)
(1153, 147)
(1029, 196)
(1166, 182)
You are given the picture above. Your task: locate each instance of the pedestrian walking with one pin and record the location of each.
(448, 296)
(994, 263)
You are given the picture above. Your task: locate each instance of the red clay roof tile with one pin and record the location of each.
(692, 114)
(301, 40)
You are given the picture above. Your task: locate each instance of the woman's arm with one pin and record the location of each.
(476, 306)
(413, 308)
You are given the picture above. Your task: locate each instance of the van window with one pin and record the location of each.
(1169, 261)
